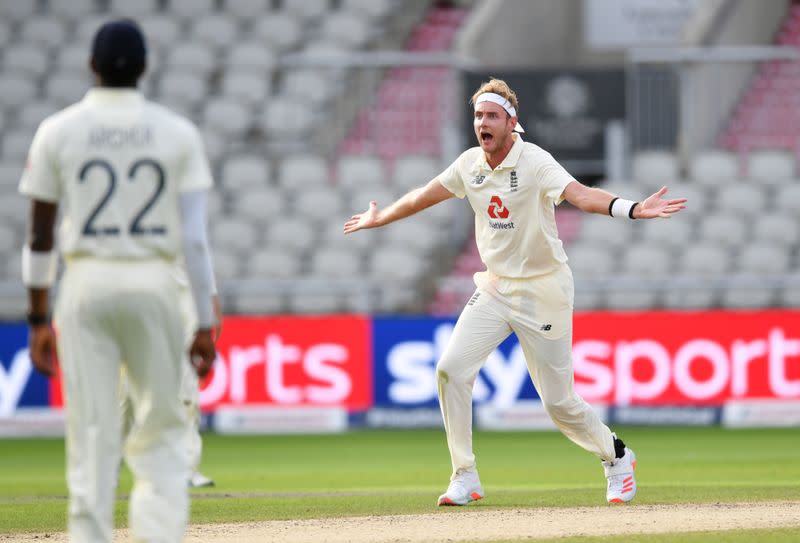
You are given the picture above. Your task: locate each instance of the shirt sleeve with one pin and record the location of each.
(196, 170)
(451, 179)
(553, 179)
(40, 179)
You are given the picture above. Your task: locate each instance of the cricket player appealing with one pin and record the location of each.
(513, 188)
(131, 179)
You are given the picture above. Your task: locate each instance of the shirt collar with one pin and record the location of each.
(115, 96)
(511, 158)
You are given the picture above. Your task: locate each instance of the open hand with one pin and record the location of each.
(656, 207)
(368, 219)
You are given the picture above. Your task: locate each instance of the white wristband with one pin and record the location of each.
(38, 267)
(621, 209)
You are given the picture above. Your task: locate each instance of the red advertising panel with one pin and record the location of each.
(666, 358)
(292, 361)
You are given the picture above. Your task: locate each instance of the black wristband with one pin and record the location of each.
(630, 213)
(611, 204)
(37, 319)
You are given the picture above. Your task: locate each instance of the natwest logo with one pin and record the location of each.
(496, 208)
(291, 362)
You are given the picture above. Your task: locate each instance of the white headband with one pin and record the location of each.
(502, 102)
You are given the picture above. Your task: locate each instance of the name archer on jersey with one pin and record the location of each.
(497, 225)
(115, 136)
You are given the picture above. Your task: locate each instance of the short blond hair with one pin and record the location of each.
(497, 86)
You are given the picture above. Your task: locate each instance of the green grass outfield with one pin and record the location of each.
(382, 472)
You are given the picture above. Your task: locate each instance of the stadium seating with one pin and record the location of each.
(282, 196)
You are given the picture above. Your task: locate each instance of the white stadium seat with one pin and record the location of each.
(43, 31)
(192, 56)
(605, 231)
(714, 168)
(132, 9)
(16, 91)
(292, 233)
(258, 205)
(728, 230)
(71, 9)
(74, 57)
(778, 228)
(245, 85)
(348, 29)
(309, 85)
(319, 203)
(336, 263)
(655, 166)
(273, 263)
(241, 173)
(676, 231)
(230, 117)
(160, 31)
(415, 170)
(247, 9)
(771, 166)
(375, 9)
(251, 56)
(284, 118)
(390, 264)
(742, 199)
(190, 9)
(16, 11)
(28, 59)
(355, 171)
(219, 30)
(234, 234)
(184, 86)
(698, 262)
(303, 170)
(309, 9)
(281, 31)
(66, 88)
(787, 199)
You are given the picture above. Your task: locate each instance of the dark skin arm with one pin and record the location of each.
(41, 339)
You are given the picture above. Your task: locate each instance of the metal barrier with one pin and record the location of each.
(680, 98)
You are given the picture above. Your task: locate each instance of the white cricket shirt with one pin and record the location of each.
(514, 205)
(115, 164)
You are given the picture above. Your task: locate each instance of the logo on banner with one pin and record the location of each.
(407, 351)
(567, 96)
(291, 362)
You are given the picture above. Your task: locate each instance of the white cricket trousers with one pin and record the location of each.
(190, 386)
(539, 312)
(110, 313)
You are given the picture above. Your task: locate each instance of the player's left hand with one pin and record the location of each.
(202, 352)
(41, 345)
(656, 207)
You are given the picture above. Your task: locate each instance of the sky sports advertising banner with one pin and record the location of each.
(316, 374)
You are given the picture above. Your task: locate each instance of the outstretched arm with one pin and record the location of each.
(413, 202)
(593, 200)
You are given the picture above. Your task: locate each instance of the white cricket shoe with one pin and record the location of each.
(198, 480)
(621, 481)
(464, 488)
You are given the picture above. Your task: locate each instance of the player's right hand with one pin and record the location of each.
(202, 352)
(41, 344)
(368, 219)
